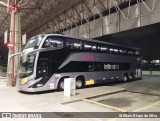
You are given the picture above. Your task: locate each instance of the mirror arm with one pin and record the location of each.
(11, 56)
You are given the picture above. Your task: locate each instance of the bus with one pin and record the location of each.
(48, 59)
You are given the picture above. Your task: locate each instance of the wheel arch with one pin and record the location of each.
(61, 79)
(81, 77)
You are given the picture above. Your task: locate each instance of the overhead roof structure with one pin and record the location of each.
(38, 15)
(48, 16)
(35, 13)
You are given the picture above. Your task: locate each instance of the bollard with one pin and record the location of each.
(69, 86)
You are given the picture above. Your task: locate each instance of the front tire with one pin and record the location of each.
(79, 83)
(61, 85)
(131, 76)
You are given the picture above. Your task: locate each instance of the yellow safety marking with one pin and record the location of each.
(93, 95)
(68, 107)
(90, 82)
(84, 97)
(112, 119)
(140, 109)
(24, 80)
(73, 109)
(104, 105)
(145, 107)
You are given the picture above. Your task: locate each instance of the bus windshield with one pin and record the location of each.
(34, 42)
(26, 68)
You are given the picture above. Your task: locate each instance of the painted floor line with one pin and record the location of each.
(91, 96)
(104, 105)
(146, 107)
(140, 109)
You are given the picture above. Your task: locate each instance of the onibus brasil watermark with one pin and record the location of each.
(79, 114)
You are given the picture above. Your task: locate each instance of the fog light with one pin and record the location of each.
(24, 81)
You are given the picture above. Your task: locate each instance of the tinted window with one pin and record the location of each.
(102, 48)
(76, 66)
(116, 50)
(137, 52)
(53, 42)
(98, 66)
(130, 52)
(123, 51)
(90, 46)
(113, 49)
(73, 44)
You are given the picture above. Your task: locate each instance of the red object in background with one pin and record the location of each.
(10, 45)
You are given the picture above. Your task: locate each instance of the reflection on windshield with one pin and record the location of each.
(34, 42)
(26, 68)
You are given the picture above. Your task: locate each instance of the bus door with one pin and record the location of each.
(43, 71)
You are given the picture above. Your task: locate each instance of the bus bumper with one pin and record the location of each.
(25, 88)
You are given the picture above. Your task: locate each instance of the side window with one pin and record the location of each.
(53, 42)
(116, 50)
(122, 51)
(98, 66)
(90, 46)
(137, 53)
(73, 44)
(90, 67)
(111, 49)
(102, 48)
(130, 52)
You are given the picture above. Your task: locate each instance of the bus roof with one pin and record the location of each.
(90, 40)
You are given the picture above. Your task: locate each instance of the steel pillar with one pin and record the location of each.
(15, 39)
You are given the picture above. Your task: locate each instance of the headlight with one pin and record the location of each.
(24, 81)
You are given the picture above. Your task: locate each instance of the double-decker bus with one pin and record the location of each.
(48, 59)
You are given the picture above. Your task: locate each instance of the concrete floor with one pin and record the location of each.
(148, 85)
(141, 95)
(3, 72)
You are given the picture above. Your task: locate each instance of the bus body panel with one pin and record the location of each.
(96, 67)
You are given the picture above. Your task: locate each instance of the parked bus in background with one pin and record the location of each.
(51, 58)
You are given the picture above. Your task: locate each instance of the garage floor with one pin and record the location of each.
(136, 96)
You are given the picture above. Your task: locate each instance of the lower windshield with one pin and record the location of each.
(26, 68)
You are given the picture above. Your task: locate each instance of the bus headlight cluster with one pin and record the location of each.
(24, 81)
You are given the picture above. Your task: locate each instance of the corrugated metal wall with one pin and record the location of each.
(141, 14)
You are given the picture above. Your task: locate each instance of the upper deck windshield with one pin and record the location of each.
(34, 42)
(27, 68)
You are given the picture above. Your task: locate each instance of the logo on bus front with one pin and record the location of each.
(111, 67)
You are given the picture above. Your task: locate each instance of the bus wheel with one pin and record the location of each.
(61, 85)
(125, 78)
(131, 76)
(79, 83)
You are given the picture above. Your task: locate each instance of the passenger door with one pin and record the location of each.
(43, 71)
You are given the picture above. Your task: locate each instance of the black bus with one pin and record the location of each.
(51, 58)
